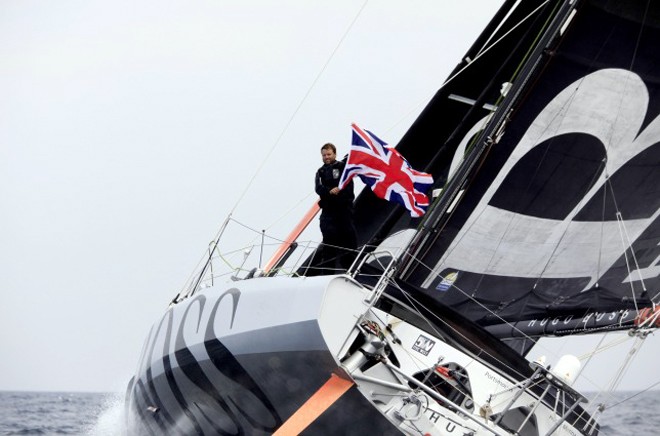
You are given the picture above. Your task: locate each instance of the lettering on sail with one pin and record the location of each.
(588, 320)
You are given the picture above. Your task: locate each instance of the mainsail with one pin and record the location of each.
(553, 212)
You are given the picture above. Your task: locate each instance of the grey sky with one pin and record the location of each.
(128, 131)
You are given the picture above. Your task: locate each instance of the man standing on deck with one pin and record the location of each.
(339, 237)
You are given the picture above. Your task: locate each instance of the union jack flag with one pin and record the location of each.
(386, 172)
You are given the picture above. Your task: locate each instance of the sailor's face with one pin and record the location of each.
(328, 156)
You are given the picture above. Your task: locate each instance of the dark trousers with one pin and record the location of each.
(339, 243)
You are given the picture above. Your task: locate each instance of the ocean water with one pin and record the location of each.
(61, 413)
(98, 414)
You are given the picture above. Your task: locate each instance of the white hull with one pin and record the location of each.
(244, 358)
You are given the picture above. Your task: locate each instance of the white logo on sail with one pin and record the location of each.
(503, 242)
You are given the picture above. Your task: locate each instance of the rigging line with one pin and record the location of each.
(623, 229)
(416, 360)
(499, 26)
(600, 349)
(541, 134)
(578, 207)
(474, 300)
(638, 343)
(469, 64)
(289, 211)
(597, 350)
(634, 256)
(650, 322)
(625, 255)
(561, 112)
(302, 101)
(639, 36)
(412, 302)
(626, 364)
(191, 284)
(274, 222)
(495, 43)
(454, 245)
(539, 35)
(257, 232)
(634, 395)
(602, 227)
(620, 221)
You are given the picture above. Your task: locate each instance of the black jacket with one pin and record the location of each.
(327, 177)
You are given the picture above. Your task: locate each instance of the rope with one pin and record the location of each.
(284, 130)
(281, 217)
(602, 226)
(619, 221)
(565, 230)
(414, 306)
(622, 227)
(626, 364)
(590, 356)
(463, 234)
(295, 112)
(469, 64)
(513, 327)
(470, 297)
(632, 253)
(639, 36)
(634, 395)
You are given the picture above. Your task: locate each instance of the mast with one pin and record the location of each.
(430, 141)
(435, 218)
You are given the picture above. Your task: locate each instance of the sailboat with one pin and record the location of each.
(544, 144)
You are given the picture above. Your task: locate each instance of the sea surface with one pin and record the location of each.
(99, 414)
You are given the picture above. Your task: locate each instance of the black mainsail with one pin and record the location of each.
(555, 215)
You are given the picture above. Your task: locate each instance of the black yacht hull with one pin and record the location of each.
(201, 372)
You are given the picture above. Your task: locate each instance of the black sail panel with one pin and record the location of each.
(562, 217)
(456, 111)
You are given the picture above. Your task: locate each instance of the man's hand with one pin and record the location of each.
(334, 191)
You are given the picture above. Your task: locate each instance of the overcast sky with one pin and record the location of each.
(129, 130)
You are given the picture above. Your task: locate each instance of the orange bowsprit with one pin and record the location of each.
(318, 403)
(284, 246)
